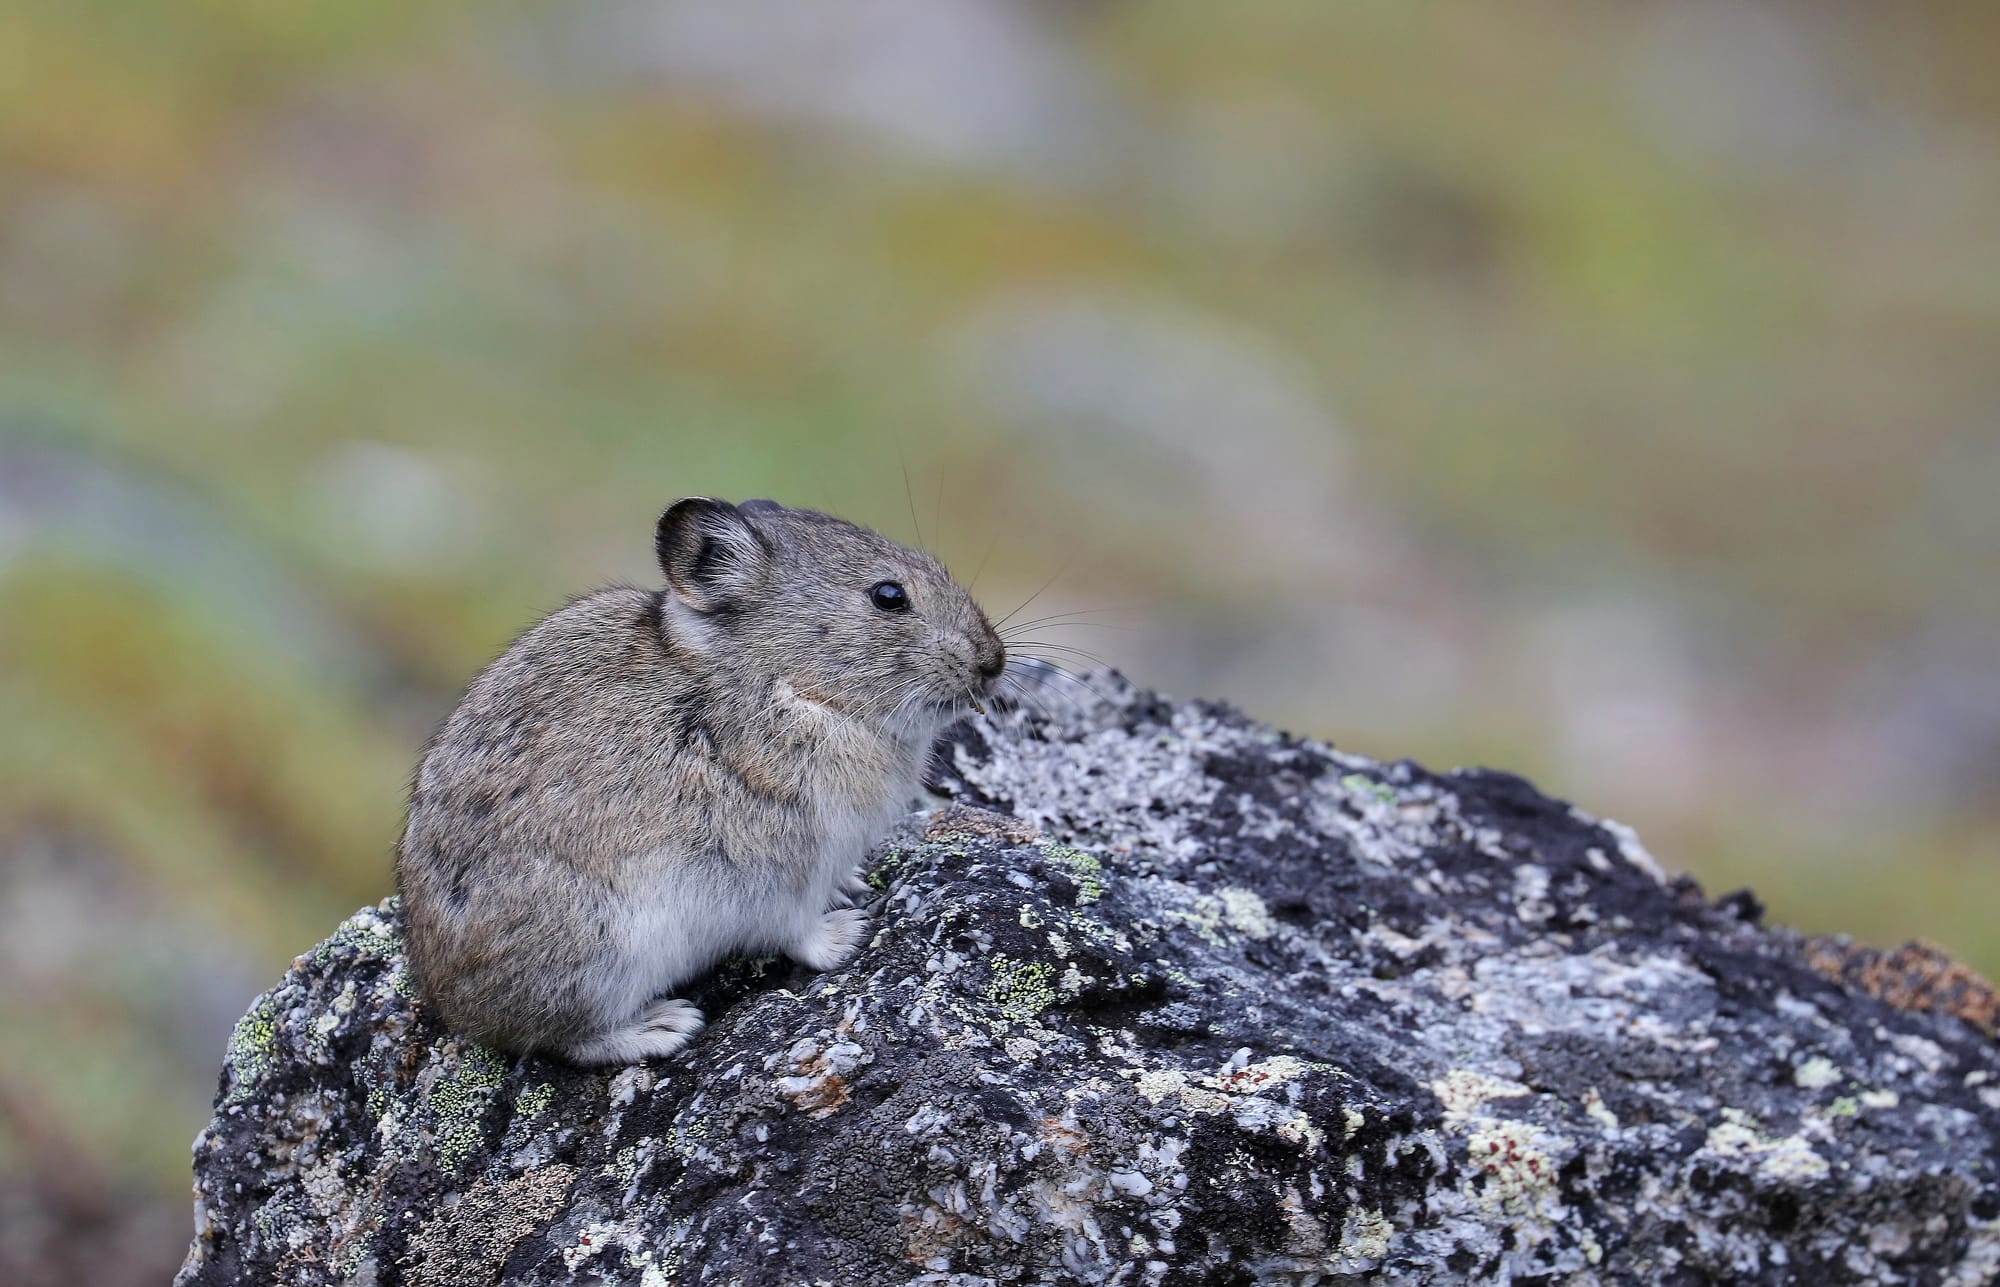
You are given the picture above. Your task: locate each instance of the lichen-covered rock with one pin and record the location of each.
(1168, 998)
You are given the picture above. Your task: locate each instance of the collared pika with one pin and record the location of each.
(647, 781)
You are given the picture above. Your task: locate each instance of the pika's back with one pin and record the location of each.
(574, 664)
(579, 703)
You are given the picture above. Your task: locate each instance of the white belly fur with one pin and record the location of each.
(688, 917)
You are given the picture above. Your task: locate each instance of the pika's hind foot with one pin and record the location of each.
(834, 940)
(663, 1028)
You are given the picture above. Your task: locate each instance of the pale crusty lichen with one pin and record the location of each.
(1595, 1107)
(1520, 1171)
(1238, 1089)
(1246, 914)
(821, 1067)
(470, 1240)
(1787, 1157)
(1464, 1092)
(1364, 1240)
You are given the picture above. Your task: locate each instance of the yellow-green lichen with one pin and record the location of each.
(689, 1140)
(1360, 785)
(271, 1220)
(883, 871)
(534, 1101)
(353, 1254)
(252, 1048)
(1082, 868)
(461, 1099)
(1022, 989)
(1094, 930)
(365, 933)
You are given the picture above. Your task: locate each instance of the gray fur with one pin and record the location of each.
(647, 781)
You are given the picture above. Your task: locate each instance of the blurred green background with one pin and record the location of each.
(1603, 392)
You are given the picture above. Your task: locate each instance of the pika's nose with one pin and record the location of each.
(993, 663)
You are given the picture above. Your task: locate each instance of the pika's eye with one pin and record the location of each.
(889, 596)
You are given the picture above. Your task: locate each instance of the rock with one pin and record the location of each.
(1165, 997)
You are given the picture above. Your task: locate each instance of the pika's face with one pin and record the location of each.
(848, 617)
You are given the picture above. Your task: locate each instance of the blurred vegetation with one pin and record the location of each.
(1607, 393)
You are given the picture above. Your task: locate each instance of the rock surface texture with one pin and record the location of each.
(1165, 997)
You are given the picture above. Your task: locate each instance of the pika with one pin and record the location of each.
(648, 781)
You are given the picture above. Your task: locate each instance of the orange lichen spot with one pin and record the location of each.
(1066, 1135)
(1915, 976)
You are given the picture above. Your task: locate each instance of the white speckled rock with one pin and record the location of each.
(1170, 999)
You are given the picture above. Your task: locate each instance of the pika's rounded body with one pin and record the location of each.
(648, 781)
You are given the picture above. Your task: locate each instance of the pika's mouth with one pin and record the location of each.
(976, 699)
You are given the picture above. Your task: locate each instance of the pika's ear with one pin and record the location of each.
(710, 552)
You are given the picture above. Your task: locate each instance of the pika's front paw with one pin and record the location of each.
(834, 941)
(663, 1028)
(854, 888)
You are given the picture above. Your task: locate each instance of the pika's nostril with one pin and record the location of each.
(991, 665)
